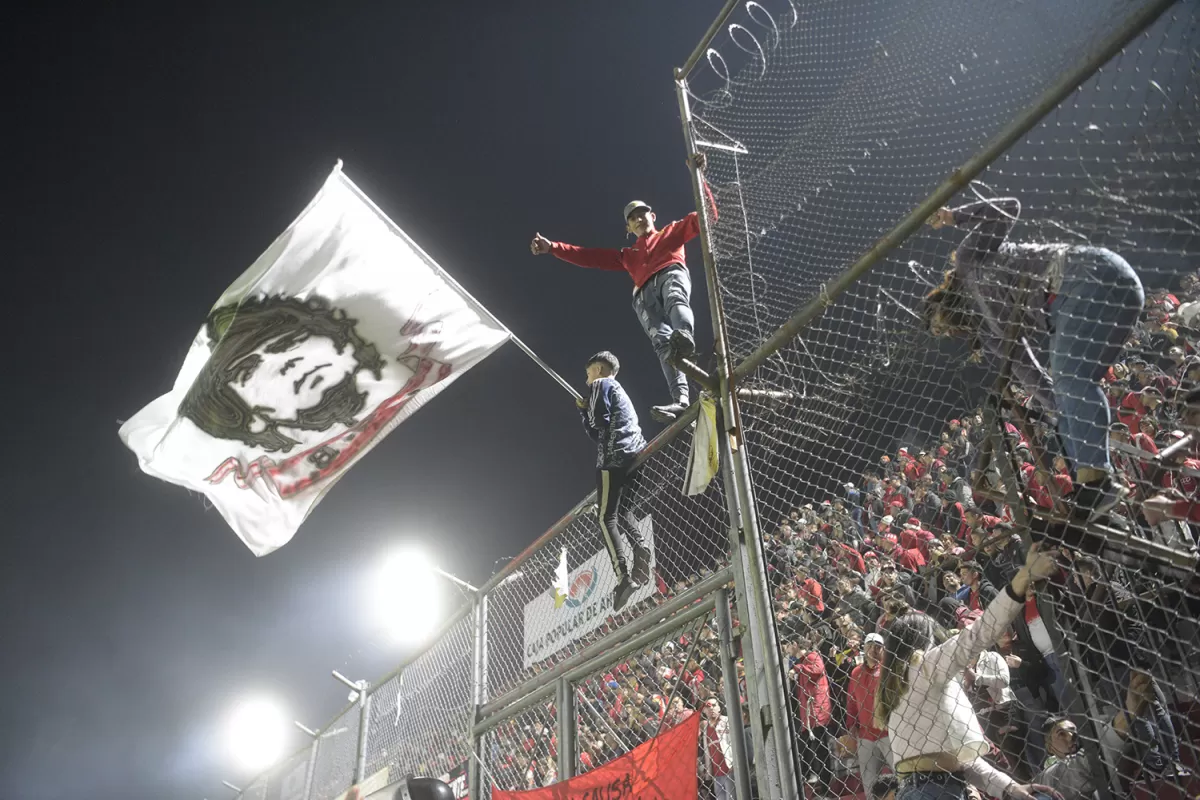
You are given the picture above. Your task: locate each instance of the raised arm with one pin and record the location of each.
(947, 660)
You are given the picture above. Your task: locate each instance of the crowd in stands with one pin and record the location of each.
(926, 531)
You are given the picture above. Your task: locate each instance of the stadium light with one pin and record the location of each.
(406, 596)
(257, 731)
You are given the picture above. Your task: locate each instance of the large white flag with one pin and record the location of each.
(337, 333)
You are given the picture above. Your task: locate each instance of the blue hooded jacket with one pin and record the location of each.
(611, 421)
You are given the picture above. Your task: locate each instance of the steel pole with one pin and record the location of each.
(311, 772)
(364, 723)
(566, 729)
(706, 40)
(477, 690)
(747, 549)
(733, 698)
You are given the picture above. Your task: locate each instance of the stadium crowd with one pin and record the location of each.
(914, 535)
(925, 531)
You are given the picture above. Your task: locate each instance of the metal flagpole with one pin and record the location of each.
(429, 262)
(745, 541)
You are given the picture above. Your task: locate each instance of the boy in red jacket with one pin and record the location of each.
(662, 286)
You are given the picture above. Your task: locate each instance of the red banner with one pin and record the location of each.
(663, 768)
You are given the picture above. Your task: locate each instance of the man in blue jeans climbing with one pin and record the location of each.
(1071, 307)
(662, 287)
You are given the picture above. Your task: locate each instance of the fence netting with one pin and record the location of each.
(420, 717)
(287, 779)
(337, 750)
(1055, 301)
(522, 751)
(626, 703)
(529, 629)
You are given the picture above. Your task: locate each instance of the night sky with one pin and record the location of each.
(152, 156)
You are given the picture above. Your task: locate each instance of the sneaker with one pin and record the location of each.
(641, 566)
(622, 594)
(1091, 501)
(682, 345)
(670, 412)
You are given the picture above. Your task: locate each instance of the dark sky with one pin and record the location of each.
(152, 156)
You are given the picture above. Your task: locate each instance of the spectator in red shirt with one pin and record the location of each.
(1036, 485)
(840, 551)
(898, 496)
(913, 470)
(1181, 504)
(981, 521)
(663, 287)
(871, 743)
(908, 559)
(1136, 405)
(914, 537)
(809, 590)
(814, 709)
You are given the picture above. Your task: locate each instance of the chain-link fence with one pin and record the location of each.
(551, 605)
(420, 718)
(942, 394)
(529, 629)
(624, 704)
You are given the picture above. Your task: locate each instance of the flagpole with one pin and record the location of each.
(560, 380)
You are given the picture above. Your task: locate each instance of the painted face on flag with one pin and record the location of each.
(280, 367)
(290, 374)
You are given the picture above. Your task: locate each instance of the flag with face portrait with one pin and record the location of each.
(334, 336)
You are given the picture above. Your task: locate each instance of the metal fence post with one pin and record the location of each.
(746, 545)
(311, 771)
(478, 695)
(364, 722)
(565, 704)
(733, 700)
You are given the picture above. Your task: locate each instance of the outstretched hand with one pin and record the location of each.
(540, 245)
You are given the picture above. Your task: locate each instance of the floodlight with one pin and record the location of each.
(406, 597)
(258, 733)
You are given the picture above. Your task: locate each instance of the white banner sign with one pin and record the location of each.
(551, 626)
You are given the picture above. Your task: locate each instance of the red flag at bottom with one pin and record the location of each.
(663, 768)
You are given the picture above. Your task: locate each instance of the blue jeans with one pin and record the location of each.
(1095, 310)
(931, 787)
(663, 306)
